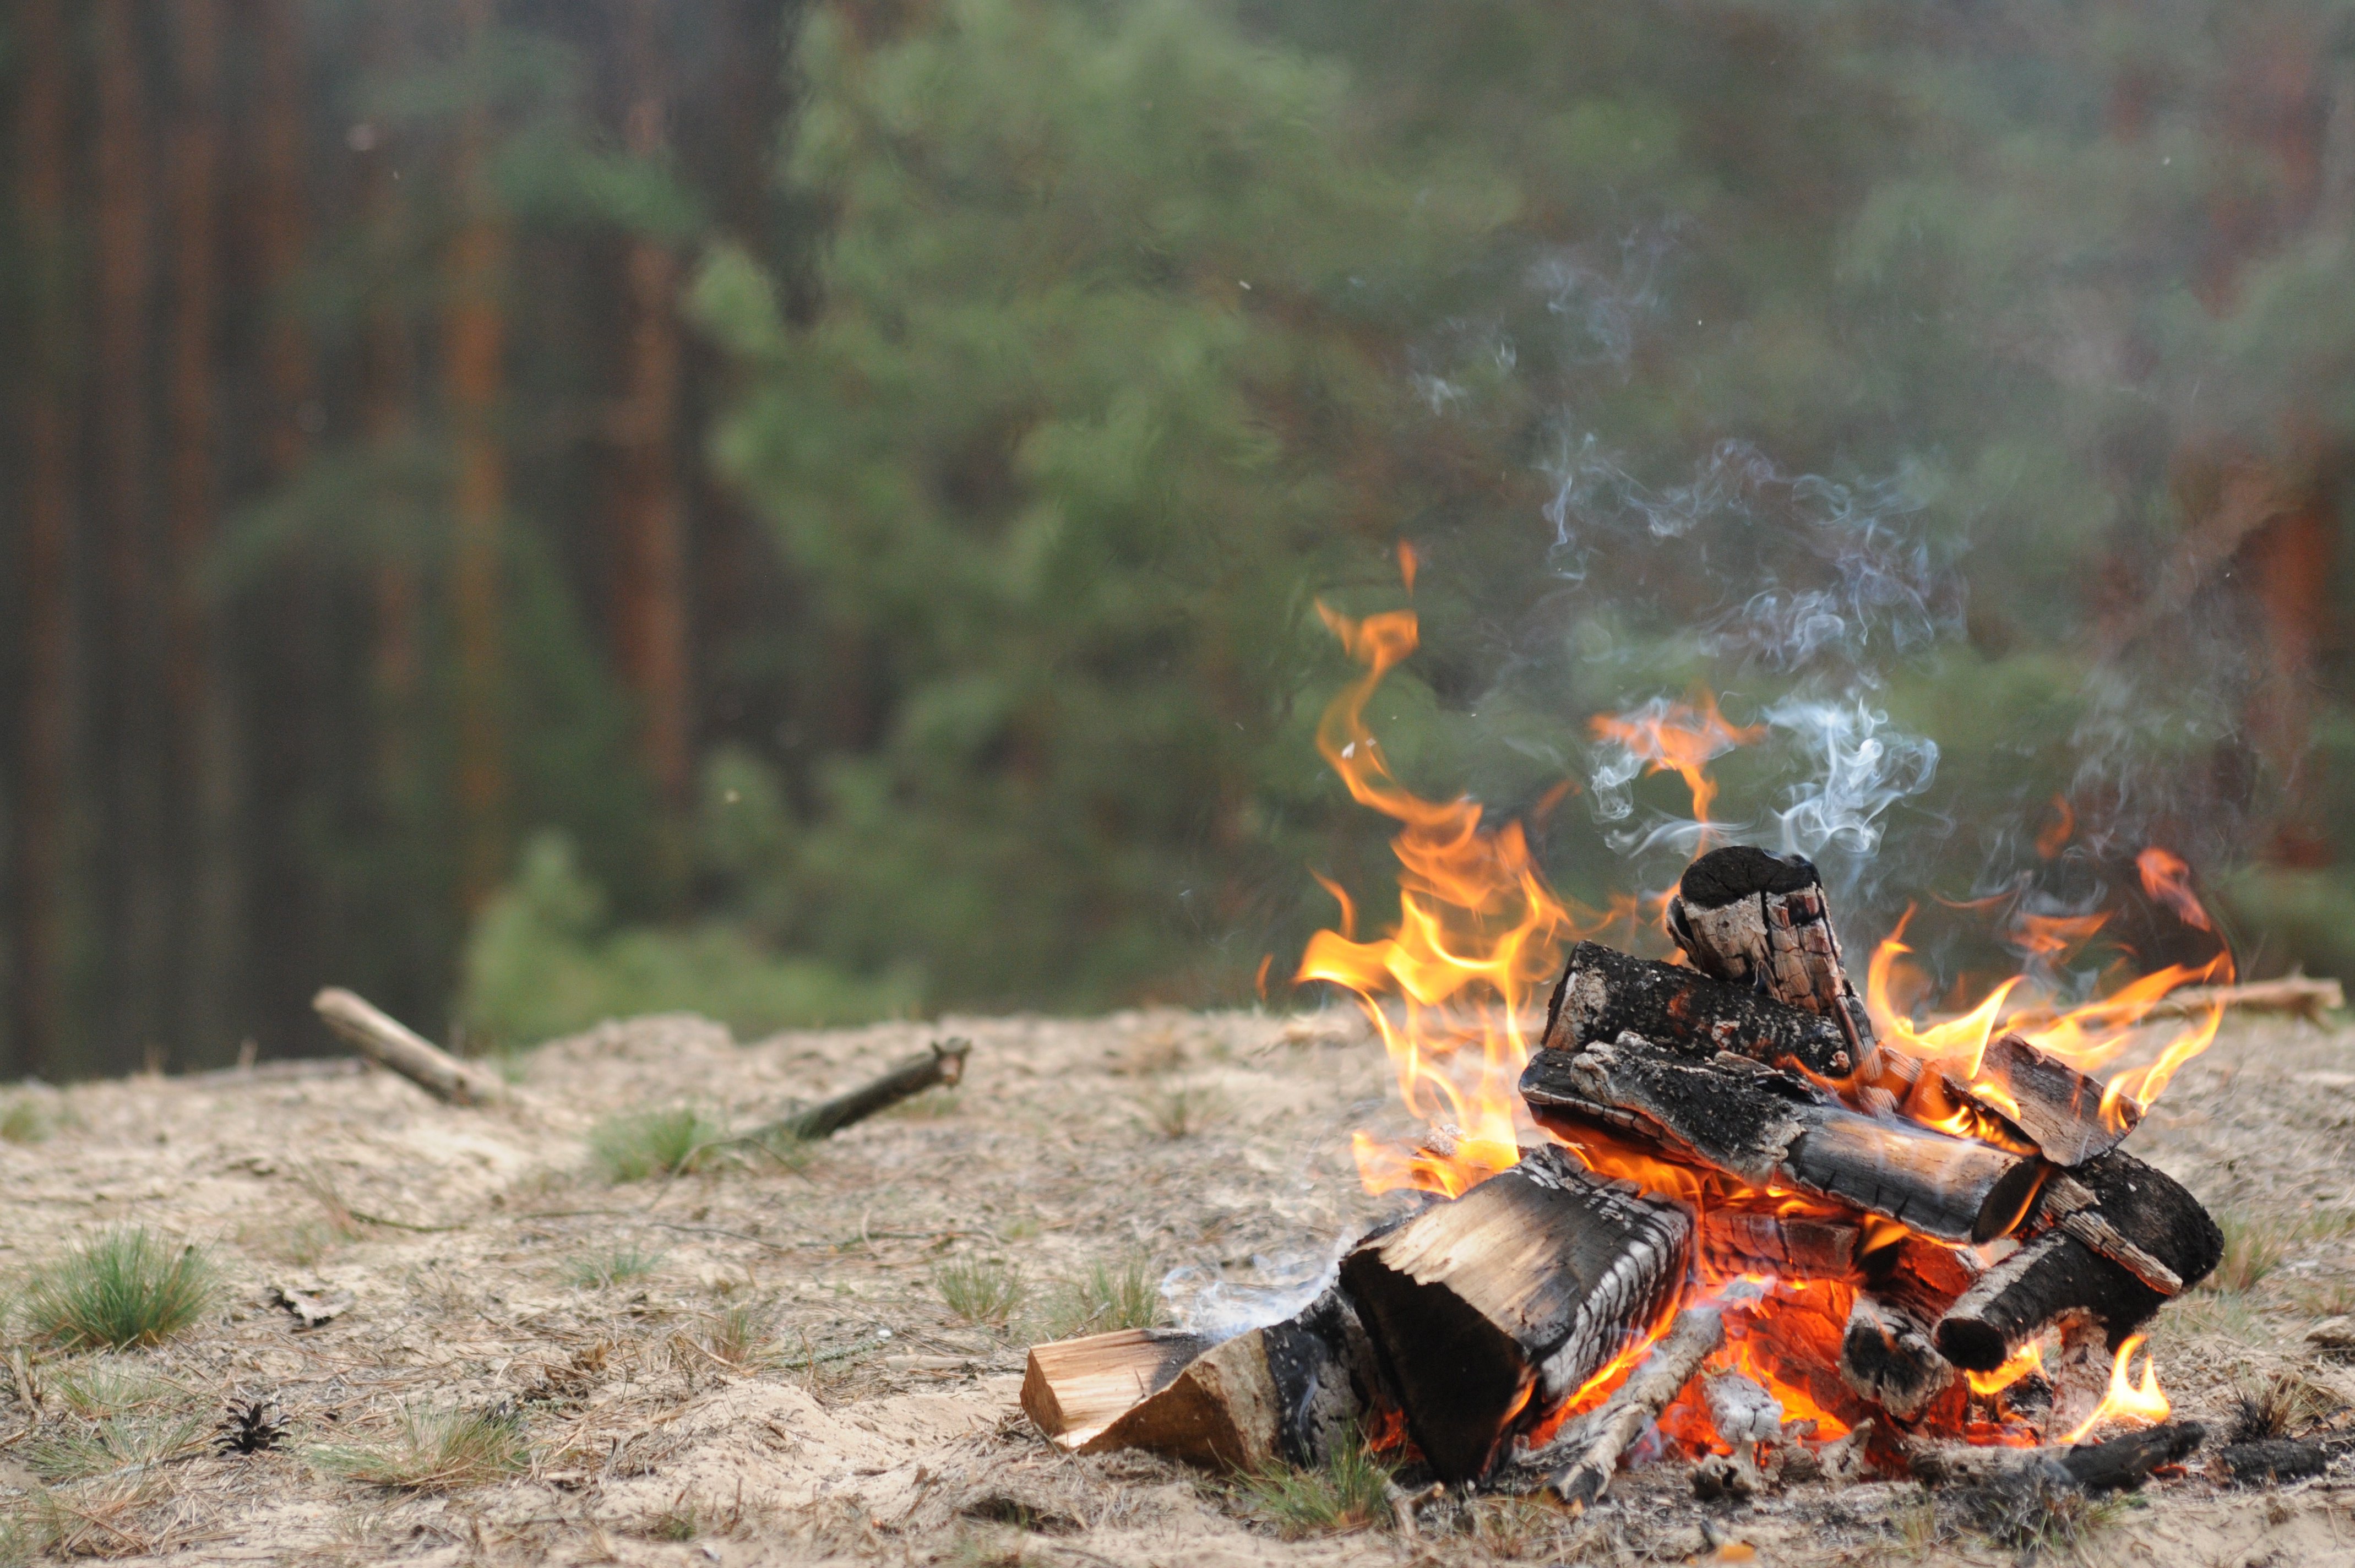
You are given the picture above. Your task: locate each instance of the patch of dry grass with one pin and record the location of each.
(435, 1451)
(981, 1291)
(639, 1145)
(608, 1267)
(1183, 1112)
(1107, 1297)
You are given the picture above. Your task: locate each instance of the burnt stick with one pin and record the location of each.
(1604, 993)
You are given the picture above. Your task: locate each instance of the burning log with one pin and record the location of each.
(1922, 1277)
(1759, 920)
(1768, 1127)
(1792, 1246)
(1073, 1389)
(2053, 1105)
(1605, 994)
(1291, 1391)
(1887, 1356)
(391, 1045)
(2116, 1464)
(1487, 1311)
(1577, 1465)
(2141, 1239)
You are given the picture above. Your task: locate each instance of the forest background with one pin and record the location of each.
(537, 510)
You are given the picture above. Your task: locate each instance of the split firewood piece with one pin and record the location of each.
(1073, 1389)
(1759, 920)
(1791, 1246)
(940, 1065)
(1487, 1311)
(1769, 1127)
(391, 1045)
(2055, 1107)
(1923, 1276)
(1605, 993)
(1290, 1393)
(1887, 1356)
(1578, 1465)
(2115, 1258)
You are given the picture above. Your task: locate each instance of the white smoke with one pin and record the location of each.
(1863, 766)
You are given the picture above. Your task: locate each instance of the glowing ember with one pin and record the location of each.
(2127, 1400)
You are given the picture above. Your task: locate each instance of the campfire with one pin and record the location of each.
(1723, 1199)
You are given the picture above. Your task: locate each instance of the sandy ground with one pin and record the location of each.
(867, 1423)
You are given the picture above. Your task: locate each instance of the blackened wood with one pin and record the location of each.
(1761, 920)
(1577, 1464)
(2067, 1204)
(2053, 1105)
(2272, 1461)
(1487, 1311)
(1073, 1389)
(2014, 1300)
(2154, 1214)
(1769, 1127)
(1291, 1393)
(1788, 1246)
(1887, 1356)
(941, 1065)
(2127, 1461)
(1604, 993)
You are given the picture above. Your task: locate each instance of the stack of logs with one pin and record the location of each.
(1753, 1069)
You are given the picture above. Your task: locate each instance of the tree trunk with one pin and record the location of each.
(475, 333)
(45, 571)
(206, 916)
(650, 557)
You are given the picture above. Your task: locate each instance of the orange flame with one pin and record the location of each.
(2056, 836)
(2165, 878)
(2127, 1400)
(2028, 1358)
(1673, 737)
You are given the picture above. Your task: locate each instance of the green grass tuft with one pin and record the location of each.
(1105, 1298)
(980, 1290)
(22, 1121)
(435, 1451)
(1349, 1491)
(742, 1334)
(613, 1266)
(637, 1144)
(2253, 1249)
(129, 1287)
(81, 1449)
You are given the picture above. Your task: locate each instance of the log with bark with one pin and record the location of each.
(1486, 1312)
(1604, 993)
(1761, 920)
(2115, 1237)
(1291, 1393)
(1886, 1355)
(2052, 1105)
(391, 1045)
(1769, 1127)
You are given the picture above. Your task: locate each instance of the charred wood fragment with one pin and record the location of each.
(1765, 1126)
(1791, 1246)
(2109, 1465)
(1759, 920)
(1604, 993)
(2053, 1105)
(1487, 1311)
(1887, 1356)
(2271, 1461)
(1577, 1464)
(2122, 1462)
(1923, 1276)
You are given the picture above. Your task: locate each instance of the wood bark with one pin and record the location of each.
(2052, 1105)
(1768, 1127)
(1793, 1247)
(1604, 993)
(1886, 1357)
(474, 351)
(2271, 1461)
(1578, 1465)
(1761, 920)
(1073, 1389)
(391, 1045)
(2115, 1464)
(1487, 1311)
(1291, 1393)
(941, 1064)
(48, 506)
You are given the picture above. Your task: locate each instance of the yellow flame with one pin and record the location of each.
(2127, 1400)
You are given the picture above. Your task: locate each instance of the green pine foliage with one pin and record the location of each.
(130, 1286)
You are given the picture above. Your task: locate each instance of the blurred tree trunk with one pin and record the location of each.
(207, 918)
(650, 559)
(387, 372)
(44, 569)
(475, 331)
(137, 890)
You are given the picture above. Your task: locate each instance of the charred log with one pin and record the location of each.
(2053, 1105)
(1604, 993)
(1759, 920)
(1793, 1247)
(2124, 1462)
(1922, 1277)
(1577, 1465)
(1887, 1356)
(2271, 1461)
(1487, 1311)
(2110, 1257)
(1765, 1126)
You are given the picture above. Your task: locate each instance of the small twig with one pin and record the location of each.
(390, 1044)
(942, 1065)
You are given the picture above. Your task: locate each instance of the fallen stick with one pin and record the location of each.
(1577, 1465)
(941, 1064)
(391, 1045)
